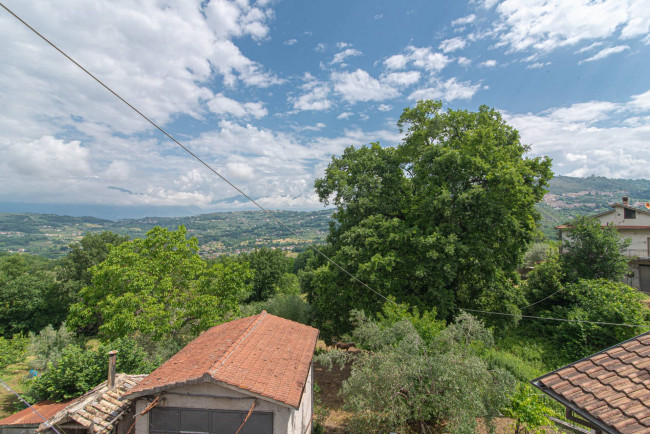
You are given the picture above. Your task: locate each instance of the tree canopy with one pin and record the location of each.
(594, 252)
(159, 287)
(442, 220)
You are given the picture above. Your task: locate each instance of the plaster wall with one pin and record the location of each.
(206, 395)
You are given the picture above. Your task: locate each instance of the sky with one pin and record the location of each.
(268, 91)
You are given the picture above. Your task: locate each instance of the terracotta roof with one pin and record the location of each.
(100, 408)
(27, 416)
(610, 389)
(265, 355)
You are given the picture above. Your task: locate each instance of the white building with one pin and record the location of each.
(632, 223)
(253, 375)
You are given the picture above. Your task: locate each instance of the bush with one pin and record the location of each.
(406, 383)
(290, 306)
(12, 350)
(537, 252)
(48, 344)
(78, 370)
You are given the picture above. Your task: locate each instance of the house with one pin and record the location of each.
(27, 420)
(251, 375)
(609, 391)
(632, 223)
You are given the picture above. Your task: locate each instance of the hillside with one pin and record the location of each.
(218, 233)
(233, 232)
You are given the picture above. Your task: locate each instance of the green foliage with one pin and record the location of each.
(321, 413)
(158, 287)
(47, 345)
(12, 350)
(592, 252)
(290, 306)
(536, 253)
(269, 268)
(30, 296)
(599, 301)
(410, 220)
(409, 385)
(78, 370)
(529, 411)
(425, 324)
(545, 280)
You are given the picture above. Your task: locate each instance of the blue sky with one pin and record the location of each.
(268, 91)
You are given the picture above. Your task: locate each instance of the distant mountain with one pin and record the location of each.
(233, 232)
(218, 233)
(569, 197)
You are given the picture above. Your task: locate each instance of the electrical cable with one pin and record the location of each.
(555, 319)
(545, 298)
(6, 386)
(278, 221)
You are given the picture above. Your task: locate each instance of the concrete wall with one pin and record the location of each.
(285, 419)
(19, 429)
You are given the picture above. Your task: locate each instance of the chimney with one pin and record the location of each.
(626, 200)
(112, 356)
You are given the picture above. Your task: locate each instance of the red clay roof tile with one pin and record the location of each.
(611, 387)
(27, 416)
(263, 354)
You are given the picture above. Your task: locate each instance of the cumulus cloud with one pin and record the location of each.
(401, 79)
(419, 57)
(545, 25)
(491, 63)
(464, 20)
(360, 86)
(315, 96)
(448, 90)
(453, 44)
(291, 41)
(221, 104)
(342, 55)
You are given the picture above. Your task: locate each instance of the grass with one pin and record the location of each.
(13, 375)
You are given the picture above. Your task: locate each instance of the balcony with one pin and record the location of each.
(636, 253)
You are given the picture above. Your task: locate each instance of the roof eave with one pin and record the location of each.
(586, 416)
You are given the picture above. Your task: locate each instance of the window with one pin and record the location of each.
(629, 213)
(192, 421)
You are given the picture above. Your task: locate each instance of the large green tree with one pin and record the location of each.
(159, 287)
(269, 267)
(442, 220)
(593, 252)
(30, 296)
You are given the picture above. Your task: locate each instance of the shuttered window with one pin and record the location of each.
(195, 421)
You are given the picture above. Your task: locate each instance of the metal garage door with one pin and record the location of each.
(644, 278)
(189, 420)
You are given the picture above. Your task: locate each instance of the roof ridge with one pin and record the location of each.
(220, 361)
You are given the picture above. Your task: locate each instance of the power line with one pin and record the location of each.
(6, 386)
(545, 298)
(278, 221)
(555, 319)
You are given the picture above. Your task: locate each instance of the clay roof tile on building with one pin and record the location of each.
(263, 354)
(610, 389)
(28, 416)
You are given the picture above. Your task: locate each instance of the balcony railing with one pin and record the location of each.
(636, 253)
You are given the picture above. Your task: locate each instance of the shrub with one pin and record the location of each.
(78, 370)
(290, 306)
(12, 350)
(47, 345)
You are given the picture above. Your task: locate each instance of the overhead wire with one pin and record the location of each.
(196, 157)
(6, 386)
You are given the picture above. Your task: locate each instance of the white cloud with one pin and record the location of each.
(606, 52)
(548, 24)
(344, 115)
(449, 90)
(384, 107)
(46, 158)
(582, 140)
(491, 63)
(316, 96)
(464, 61)
(221, 104)
(341, 56)
(401, 79)
(420, 57)
(588, 47)
(464, 20)
(320, 47)
(360, 86)
(589, 112)
(378, 16)
(291, 41)
(453, 44)
(537, 65)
